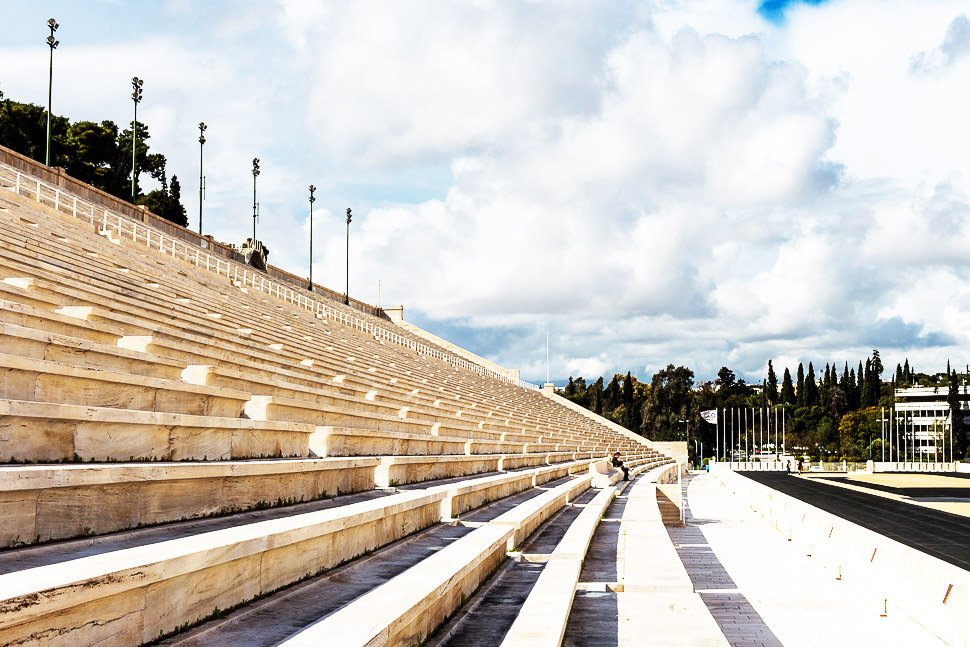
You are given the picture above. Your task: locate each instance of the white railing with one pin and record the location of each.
(240, 274)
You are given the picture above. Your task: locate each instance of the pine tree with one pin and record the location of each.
(800, 386)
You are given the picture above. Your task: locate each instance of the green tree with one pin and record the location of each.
(612, 395)
(787, 389)
(596, 396)
(632, 415)
(95, 153)
(166, 202)
(857, 429)
(668, 403)
(771, 385)
(23, 128)
(811, 388)
(956, 417)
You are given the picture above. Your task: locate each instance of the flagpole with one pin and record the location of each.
(747, 454)
(882, 432)
(776, 433)
(717, 431)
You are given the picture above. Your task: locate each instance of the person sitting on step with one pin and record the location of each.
(619, 463)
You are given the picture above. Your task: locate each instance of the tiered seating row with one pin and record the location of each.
(374, 396)
(151, 590)
(109, 353)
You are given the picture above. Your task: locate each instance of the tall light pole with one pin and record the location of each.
(136, 85)
(312, 200)
(202, 128)
(52, 24)
(255, 204)
(347, 290)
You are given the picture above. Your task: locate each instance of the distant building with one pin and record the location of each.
(922, 416)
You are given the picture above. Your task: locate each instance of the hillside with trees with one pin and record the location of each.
(833, 412)
(97, 153)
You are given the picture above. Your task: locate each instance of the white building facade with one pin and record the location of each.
(920, 428)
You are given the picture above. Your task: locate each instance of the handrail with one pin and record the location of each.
(240, 275)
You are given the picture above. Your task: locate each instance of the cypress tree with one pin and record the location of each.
(787, 390)
(800, 386)
(630, 417)
(596, 398)
(853, 392)
(811, 388)
(771, 385)
(865, 390)
(611, 397)
(859, 386)
(956, 417)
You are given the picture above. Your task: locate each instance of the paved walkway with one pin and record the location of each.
(762, 591)
(634, 591)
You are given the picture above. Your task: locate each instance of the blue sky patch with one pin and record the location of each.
(774, 10)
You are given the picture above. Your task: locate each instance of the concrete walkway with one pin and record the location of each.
(762, 591)
(634, 590)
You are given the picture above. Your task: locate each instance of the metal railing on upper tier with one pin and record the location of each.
(240, 274)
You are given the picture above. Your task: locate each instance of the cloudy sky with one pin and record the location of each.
(697, 182)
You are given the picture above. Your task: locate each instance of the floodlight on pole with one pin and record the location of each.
(202, 128)
(136, 93)
(52, 43)
(312, 200)
(347, 289)
(255, 204)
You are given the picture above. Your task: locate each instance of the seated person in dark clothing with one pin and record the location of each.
(618, 463)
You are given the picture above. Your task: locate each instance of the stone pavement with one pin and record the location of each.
(634, 590)
(762, 591)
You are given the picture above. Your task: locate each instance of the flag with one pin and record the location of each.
(710, 416)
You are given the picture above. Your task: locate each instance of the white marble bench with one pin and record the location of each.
(604, 474)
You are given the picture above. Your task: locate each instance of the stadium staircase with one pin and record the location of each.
(191, 451)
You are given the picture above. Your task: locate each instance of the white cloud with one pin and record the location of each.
(657, 182)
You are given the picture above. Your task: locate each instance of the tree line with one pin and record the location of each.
(833, 413)
(97, 153)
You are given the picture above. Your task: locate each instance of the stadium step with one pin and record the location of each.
(39, 344)
(46, 381)
(237, 561)
(221, 398)
(53, 432)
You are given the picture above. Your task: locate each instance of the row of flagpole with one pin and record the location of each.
(901, 442)
(735, 426)
(899, 439)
